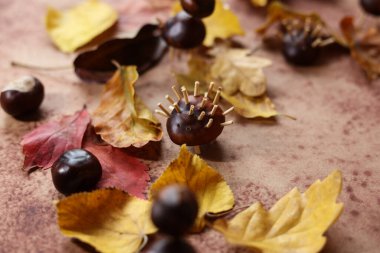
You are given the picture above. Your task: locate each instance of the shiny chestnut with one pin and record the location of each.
(76, 170)
(22, 96)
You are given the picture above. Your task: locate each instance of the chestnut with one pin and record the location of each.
(174, 210)
(76, 170)
(195, 119)
(22, 96)
(171, 245)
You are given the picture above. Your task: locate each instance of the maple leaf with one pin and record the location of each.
(119, 170)
(122, 119)
(76, 27)
(45, 144)
(108, 219)
(364, 44)
(296, 223)
(212, 192)
(222, 24)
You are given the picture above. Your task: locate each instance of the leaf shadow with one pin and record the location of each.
(151, 151)
(214, 152)
(30, 117)
(86, 247)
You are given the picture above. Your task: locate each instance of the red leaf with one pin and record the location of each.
(43, 146)
(120, 170)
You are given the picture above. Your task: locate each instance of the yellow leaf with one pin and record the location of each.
(295, 224)
(76, 27)
(237, 71)
(108, 219)
(260, 3)
(212, 192)
(251, 107)
(122, 119)
(222, 24)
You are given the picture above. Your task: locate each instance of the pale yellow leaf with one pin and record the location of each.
(212, 192)
(122, 119)
(108, 219)
(222, 24)
(74, 28)
(260, 3)
(295, 224)
(237, 71)
(251, 107)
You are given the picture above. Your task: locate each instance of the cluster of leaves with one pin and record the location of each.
(112, 221)
(132, 125)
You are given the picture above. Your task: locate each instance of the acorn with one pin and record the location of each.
(194, 119)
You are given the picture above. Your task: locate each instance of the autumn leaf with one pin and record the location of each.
(145, 51)
(122, 119)
(222, 24)
(212, 192)
(239, 72)
(259, 3)
(108, 219)
(45, 144)
(296, 223)
(364, 44)
(119, 170)
(74, 28)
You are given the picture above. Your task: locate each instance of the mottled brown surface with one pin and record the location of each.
(337, 127)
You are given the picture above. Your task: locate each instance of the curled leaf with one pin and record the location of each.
(296, 223)
(364, 43)
(239, 72)
(45, 144)
(108, 219)
(122, 119)
(222, 24)
(119, 170)
(212, 192)
(76, 27)
(145, 50)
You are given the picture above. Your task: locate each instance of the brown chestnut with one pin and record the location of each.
(76, 170)
(174, 210)
(22, 96)
(195, 119)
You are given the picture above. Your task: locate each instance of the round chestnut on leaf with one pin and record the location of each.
(171, 245)
(195, 119)
(75, 171)
(22, 96)
(184, 31)
(198, 8)
(174, 210)
(371, 6)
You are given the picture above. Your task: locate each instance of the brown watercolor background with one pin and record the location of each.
(337, 126)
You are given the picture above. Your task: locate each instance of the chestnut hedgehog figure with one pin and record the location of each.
(194, 119)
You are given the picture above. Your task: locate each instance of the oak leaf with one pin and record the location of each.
(74, 28)
(222, 24)
(122, 119)
(212, 192)
(108, 219)
(119, 170)
(296, 223)
(45, 144)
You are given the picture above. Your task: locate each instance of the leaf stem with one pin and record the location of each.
(45, 68)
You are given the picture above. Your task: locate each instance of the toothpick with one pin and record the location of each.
(196, 88)
(206, 94)
(185, 94)
(171, 108)
(327, 42)
(204, 100)
(316, 42)
(213, 110)
(169, 99)
(209, 123)
(161, 113)
(217, 96)
(176, 92)
(176, 107)
(227, 123)
(210, 87)
(228, 111)
(202, 115)
(316, 30)
(191, 112)
(163, 109)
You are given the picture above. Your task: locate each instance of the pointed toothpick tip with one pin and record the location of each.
(227, 123)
